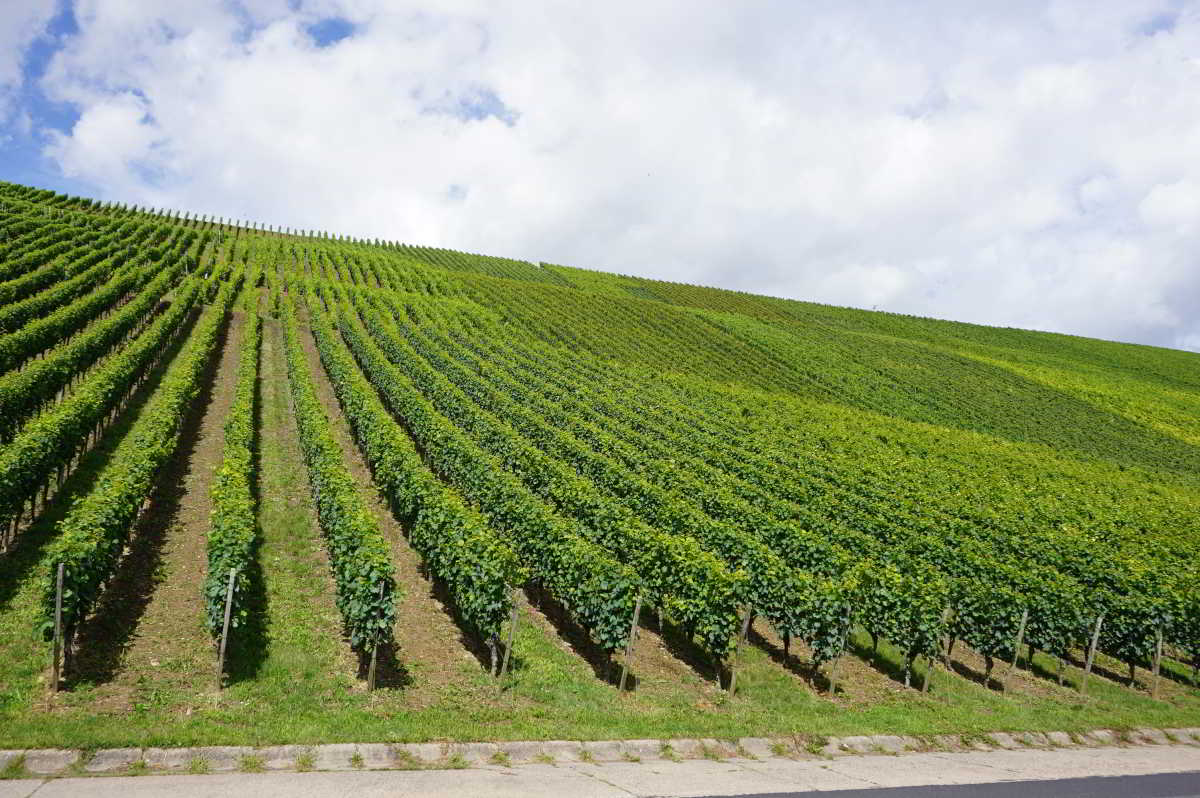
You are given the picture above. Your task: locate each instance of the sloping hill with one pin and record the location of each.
(854, 486)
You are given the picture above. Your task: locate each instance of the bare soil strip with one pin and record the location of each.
(168, 645)
(302, 625)
(431, 649)
(24, 565)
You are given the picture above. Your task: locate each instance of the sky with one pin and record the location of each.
(1027, 164)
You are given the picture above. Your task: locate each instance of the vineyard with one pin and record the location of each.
(267, 485)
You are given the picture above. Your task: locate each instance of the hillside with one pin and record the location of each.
(861, 519)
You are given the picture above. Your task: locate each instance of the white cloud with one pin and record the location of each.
(111, 140)
(1173, 206)
(1028, 164)
(20, 23)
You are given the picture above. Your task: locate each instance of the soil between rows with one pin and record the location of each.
(430, 645)
(301, 626)
(151, 641)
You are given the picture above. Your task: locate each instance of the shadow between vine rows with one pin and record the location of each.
(248, 647)
(390, 672)
(789, 661)
(980, 677)
(473, 643)
(1040, 671)
(103, 637)
(600, 661)
(30, 543)
(880, 659)
(681, 645)
(1101, 669)
(1181, 671)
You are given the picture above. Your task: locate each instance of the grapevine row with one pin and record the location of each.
(362, 568)
(695, 587)
(24, 392)
(1129, 632)
(19, 346)
(793, 601)
(52, 441)
(84, 275)
(594, 588)
(455, 542)
(94, 533)
(231, 538)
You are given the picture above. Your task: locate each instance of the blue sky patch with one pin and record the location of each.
(1159, 23)
(473, 105)
(482, 103)
(330, 31)
(44, 112)
(22, 141)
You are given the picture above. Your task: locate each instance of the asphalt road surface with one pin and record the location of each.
(1158, 785)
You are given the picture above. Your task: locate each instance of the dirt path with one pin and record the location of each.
(431, 648)
(301, 649)
(157, 599)
(21, 589)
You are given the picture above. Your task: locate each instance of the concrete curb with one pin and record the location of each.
(433, 756)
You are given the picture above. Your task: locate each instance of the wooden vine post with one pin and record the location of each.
(375, 648)
(1091, 655)
(943, 652)
(1020, 639)
(633, 627)
(947, 640)
(837, 661)
(58, 635)
(833, 674)
(1158, 650)
(512, 628)
(1012, 666)
(225, 628)
(737, 648)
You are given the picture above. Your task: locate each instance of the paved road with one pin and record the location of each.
(1158, 785)
(1072, 773)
